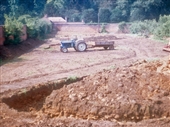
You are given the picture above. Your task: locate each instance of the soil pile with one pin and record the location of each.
(135, 93)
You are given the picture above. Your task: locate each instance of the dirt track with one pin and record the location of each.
(32, 105)
(41, 64)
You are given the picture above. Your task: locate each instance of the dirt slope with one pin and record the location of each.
(137, 95)
(130, 94)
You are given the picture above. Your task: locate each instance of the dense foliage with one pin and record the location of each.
(148, 16)
(36, 28)
(12, 30)
(76, 10)
(160, 29)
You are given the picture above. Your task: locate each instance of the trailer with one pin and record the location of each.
(166, 48)
(82, 45)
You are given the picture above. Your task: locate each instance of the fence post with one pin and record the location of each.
(23, 36)
(2, 39)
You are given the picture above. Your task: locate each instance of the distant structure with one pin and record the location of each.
(57, 19)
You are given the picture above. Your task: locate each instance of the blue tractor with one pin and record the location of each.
(78, 45)
(81, 46)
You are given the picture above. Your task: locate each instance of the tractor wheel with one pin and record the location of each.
(81, 46)
(111, 47)
(64, 50)
(75, 48)
(105, 47)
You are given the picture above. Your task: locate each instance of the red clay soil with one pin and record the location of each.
(45, 63)
(12, 51)
(128, 86)
(137, 95)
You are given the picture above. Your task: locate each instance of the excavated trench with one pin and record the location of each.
(134, 93)
(28, 99)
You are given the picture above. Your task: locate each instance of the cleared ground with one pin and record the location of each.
(108, 81)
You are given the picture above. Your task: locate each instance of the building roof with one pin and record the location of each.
(56, 19)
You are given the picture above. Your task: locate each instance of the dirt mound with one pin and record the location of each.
(125, 94)
(137, 95)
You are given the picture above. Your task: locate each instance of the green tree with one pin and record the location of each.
(39, 6)
(4, 9)
(116, 15)
(104, 15)
(121, 12)
(56, 7)
(50, 9)
(13, 6)
(137, 14)
(89, 15)
(145, 9)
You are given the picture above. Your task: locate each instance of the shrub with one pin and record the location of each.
(163, 29)
(32, 27)
(31, 23)
(44, 27)
(36, 28)
(143, 28)
(103, 28)
(160, 29)
(164, 19)
(122, 27)
(12, 30)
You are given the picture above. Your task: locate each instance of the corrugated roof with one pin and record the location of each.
(56, 19)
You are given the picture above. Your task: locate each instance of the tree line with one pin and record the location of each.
(106, 11)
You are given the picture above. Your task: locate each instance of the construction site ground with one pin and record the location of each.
(127, 86)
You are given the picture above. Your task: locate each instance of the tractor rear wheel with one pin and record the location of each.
(81, 46)
(75, 48)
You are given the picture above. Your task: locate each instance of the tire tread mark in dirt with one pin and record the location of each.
(65, 71)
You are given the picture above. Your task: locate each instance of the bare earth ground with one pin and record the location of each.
(121, 87)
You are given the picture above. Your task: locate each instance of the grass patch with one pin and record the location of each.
(71, 79)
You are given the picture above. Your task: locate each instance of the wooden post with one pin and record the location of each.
(2, 38)
(23, 36)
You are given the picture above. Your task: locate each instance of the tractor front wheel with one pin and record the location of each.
(63, 49)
